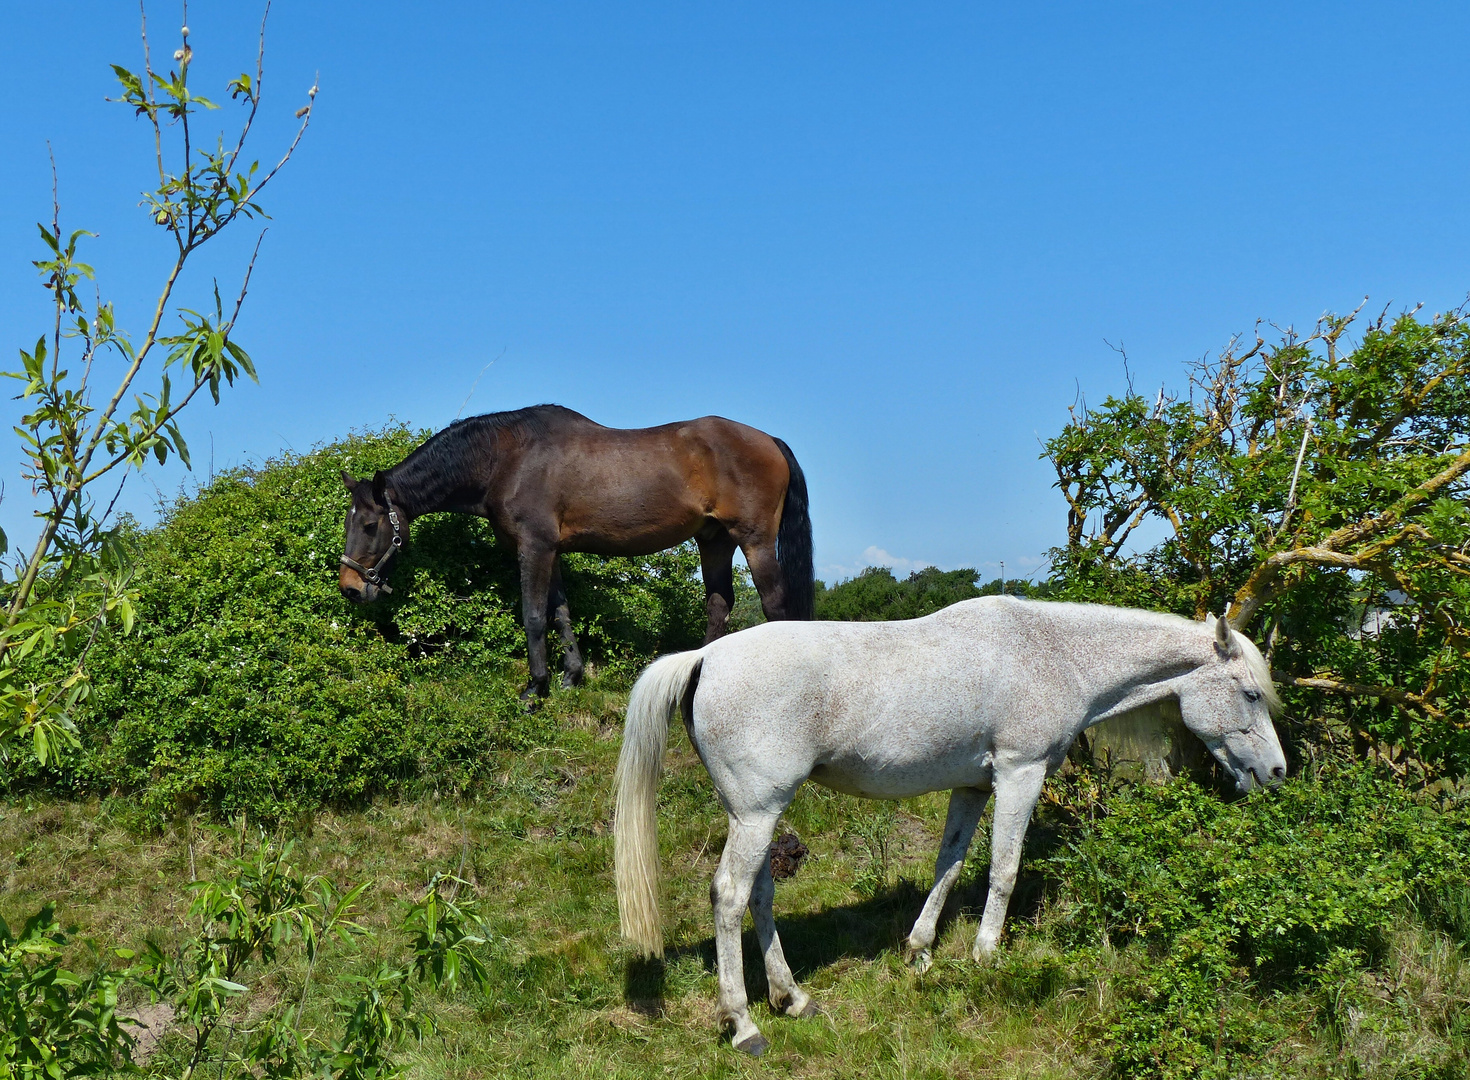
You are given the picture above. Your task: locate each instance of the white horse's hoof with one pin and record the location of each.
(806, 1012)
(923, 960)
(754, 1045)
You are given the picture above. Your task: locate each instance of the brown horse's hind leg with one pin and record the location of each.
(716, 552)
(537, 564)
(765, 572)
(561, 615)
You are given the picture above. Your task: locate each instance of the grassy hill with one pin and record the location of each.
(1156, 932)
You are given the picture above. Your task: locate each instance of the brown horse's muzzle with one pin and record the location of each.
(355, 588)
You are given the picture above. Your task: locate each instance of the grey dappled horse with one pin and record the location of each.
(985, 696)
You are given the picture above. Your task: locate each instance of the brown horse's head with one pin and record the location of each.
(376, 531)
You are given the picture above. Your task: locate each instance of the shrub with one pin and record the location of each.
(54, 1023)
(250, 684)
(1320, 495)
(1284, 891)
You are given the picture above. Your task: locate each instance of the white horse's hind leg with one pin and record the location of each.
(1016, 792)
(747, 849)
(785, 995)
(965, 807)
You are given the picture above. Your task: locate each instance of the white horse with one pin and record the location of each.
(983, 696)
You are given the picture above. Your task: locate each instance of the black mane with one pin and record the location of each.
(454, 459)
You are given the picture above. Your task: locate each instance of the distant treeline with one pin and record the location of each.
(876, 595)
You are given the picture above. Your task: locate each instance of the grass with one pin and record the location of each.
(568, 999)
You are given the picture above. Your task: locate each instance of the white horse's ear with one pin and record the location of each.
(1225, 643)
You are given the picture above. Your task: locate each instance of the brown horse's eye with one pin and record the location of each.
(370, 527)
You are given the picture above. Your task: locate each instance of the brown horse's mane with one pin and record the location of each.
(454, 459)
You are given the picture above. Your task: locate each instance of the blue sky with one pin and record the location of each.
(898, 236)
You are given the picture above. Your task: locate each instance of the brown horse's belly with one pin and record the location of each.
(629, 537)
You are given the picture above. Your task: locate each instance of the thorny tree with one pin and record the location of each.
(75, 439)
(1316, 493)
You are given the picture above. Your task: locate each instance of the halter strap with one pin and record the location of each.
(373, 575)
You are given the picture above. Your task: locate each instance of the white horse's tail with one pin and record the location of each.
(635, 821)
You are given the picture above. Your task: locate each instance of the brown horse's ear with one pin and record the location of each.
(379, 483)
(1224, 640)
(349, 483)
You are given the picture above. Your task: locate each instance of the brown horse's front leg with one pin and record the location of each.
(560, 614)
(537, 564)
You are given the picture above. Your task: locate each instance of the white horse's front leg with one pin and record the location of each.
(965, 807)
(1016, 792)
(745, 851)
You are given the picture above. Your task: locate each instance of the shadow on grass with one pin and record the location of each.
(864, 930)
(811, 941)
(818, 939)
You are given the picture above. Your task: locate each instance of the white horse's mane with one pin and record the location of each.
(1260, 670)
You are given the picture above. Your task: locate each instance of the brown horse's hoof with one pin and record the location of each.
(533, 693)
(754, 1045)
(570, 679)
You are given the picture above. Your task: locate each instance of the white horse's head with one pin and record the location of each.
(1228, 702)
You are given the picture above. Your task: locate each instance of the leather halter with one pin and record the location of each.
(373, 575)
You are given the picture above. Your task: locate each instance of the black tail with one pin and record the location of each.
(794, 543)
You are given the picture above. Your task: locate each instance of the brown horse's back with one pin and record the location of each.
(640, 490)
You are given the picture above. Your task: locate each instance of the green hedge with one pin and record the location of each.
(1234, 902)
(250, 684)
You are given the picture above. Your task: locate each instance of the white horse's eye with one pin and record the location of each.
(1253, 695)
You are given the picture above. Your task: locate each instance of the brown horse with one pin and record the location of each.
(550, 480)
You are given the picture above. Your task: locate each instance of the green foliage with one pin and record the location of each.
(1319, 495)
(246, 920)
(250, 684)
(54, 1023)
(875, 595)
(75, 584)
(1297, 889)
(872, 838)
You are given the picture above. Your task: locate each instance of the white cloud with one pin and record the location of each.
(876, 556)
(872, 556)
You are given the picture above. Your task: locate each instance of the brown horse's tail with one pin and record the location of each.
(794, 543)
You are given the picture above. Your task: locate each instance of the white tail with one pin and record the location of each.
(635, 820)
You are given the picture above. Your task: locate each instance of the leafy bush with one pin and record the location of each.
(1290, 890)
(73, 433)
(54, 1023)
(263, 911)
(1319, 493)
(251, 684)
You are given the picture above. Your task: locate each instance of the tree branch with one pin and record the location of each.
(1402, 698)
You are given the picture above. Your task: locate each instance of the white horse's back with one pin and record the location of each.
(883, 709)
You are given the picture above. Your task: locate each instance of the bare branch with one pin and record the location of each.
(245, 285)
(1396, 695)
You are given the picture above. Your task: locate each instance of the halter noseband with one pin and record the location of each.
(373, 575)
